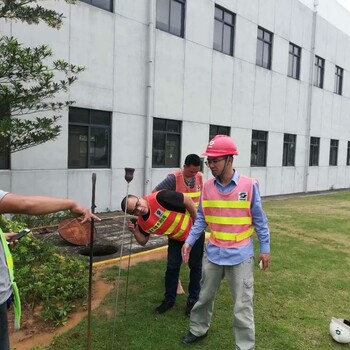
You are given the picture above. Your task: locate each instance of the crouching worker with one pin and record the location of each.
(172, 214)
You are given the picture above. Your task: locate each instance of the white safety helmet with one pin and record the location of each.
(340, 330)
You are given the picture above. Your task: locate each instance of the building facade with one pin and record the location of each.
(164, 76)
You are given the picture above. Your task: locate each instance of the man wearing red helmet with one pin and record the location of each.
(230, 205)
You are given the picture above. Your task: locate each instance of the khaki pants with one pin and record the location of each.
(241, 282)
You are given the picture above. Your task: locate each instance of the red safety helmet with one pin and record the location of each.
(220, 145)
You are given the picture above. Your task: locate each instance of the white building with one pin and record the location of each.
(161, 79)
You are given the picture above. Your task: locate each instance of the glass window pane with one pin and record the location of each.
(158, 155)
(100, 117)
(77, 147)
(78, 115)
(259, 53)
(99, 147)
(266, 55)
(103, 4)
(173, 126)
(163, 14)
(176, 18)
(228, 18)
(218, 35)
(159, 124)
(227, 40)
(173, 150)
(218, 13)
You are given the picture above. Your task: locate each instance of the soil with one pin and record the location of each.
(36, 333)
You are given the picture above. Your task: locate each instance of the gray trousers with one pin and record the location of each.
(241, 282)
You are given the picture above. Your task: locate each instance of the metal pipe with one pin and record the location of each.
(309, 98)
(91, 260)
(149, 99)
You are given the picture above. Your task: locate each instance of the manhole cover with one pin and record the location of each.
(99, 250)
(72, 231)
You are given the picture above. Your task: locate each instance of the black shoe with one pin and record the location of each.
(190, 338)
(164, 306)
(189, 307)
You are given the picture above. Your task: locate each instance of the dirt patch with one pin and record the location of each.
(36, 333)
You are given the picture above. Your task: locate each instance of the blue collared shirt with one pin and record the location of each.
(234, 256)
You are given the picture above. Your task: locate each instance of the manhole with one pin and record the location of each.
(99, 250)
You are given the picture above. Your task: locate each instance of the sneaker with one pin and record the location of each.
(164, 306)
(189, 307)
(190, 338)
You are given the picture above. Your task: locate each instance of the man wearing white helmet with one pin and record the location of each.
(230, 205)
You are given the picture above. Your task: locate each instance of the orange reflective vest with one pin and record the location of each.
(181, 186)
(228, 214)
(165, 222)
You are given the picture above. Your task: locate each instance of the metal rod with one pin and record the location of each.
(127, 275)
(91, 260)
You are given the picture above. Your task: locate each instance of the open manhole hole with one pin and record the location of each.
(99, 250)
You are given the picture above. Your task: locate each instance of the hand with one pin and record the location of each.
(185, 252)
(9, 235)
(131, 227)
(83, 214)
(265, 258)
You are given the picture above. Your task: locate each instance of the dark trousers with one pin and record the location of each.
(173, 269)
(4, 337)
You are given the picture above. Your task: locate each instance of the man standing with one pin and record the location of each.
(188, 181)
(164, 213)
(231, 206)
(35, 205)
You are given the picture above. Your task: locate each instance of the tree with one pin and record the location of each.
(27, 81)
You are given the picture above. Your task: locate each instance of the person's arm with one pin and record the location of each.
(140, 237)
(190, 207)
(196, 231)
(260, 223)
(169, 183)
(38, 205)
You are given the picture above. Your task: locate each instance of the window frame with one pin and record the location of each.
(333, 152)
(262, 41)
(348, 154)
(319, 68)
(215, 130)
(90, 125)
(167, 133)
(289, 149)
(167, 28)
(261, 148)
(294, 61)
(224, 24)
(338, 83)
(314, 151)
(91, 2)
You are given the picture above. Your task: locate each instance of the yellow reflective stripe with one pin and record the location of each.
(229, 236)
(192, 194)
(226, 204)
(245, 220)
(174, 224)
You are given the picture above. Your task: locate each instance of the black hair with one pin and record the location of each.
(123, 203)
(192, 159)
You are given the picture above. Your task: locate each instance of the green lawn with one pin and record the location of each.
(307, 283)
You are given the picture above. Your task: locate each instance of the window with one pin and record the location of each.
(348, 154)
(218, 130)
(314, 151)
(264, 48)
(333, 152)
(102, 4)
(89, 143)
(224, 26)
(294, 61)
(166, 143)
(171, 16)
(319, 72)
(338, 86)
(289, 150)
(259, 148)
(4, 154)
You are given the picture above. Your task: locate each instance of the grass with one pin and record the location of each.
(306, 284)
